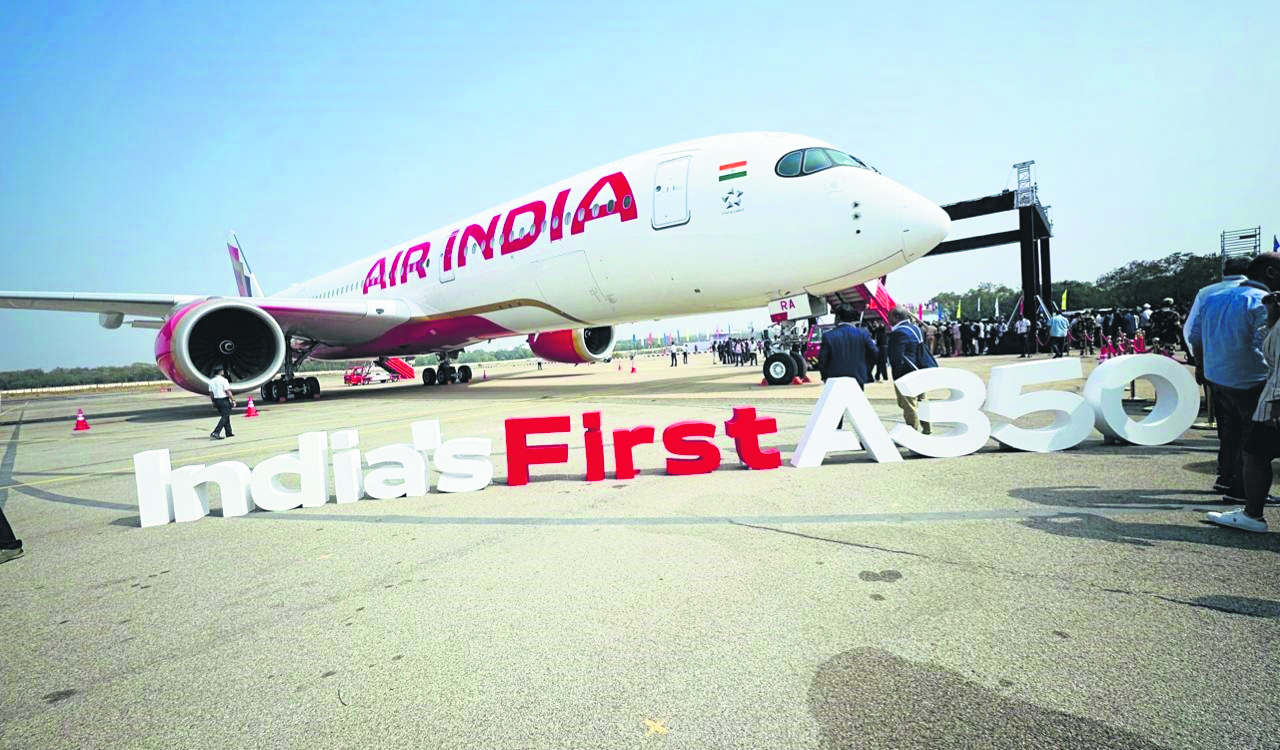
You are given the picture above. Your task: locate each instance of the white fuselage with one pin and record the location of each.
(702, 226)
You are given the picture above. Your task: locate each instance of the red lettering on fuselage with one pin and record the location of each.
(624, 202)
(515, 244)
(483, 237)
(377, 275)
(422, 250)
(622, 205)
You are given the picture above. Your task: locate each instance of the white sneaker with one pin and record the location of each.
(1237, 519)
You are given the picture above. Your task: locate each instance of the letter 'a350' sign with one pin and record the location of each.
(965, 411)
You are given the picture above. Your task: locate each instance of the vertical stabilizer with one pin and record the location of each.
(246, 283)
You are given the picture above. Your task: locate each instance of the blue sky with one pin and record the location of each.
(136, 134)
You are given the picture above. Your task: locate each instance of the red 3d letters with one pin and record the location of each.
(689, 445)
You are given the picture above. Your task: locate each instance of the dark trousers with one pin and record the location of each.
(7, 539)
(224, 408)
(882, 369)
(1233, 408)
(1026, 344)
(1057, 344)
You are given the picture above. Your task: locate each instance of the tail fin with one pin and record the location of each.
(246, 283)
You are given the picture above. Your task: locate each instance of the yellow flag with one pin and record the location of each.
(1064, 299)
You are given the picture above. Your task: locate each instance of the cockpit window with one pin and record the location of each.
(789, 165)
(816, 160)
(810, 160)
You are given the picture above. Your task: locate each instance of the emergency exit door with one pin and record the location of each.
(671, 193)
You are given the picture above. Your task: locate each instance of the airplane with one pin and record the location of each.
(722, 223)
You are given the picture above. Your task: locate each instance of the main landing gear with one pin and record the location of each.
(446, 373)
(288, 385)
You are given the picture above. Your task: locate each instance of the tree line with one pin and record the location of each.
(1179, 276)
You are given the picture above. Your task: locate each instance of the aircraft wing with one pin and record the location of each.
(334, 321)
(147, 305)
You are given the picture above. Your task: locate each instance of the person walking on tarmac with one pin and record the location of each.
(10, 546)
(908, 353)
(223, 398)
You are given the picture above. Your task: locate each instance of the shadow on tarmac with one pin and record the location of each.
(1093, 526)
(869, 698)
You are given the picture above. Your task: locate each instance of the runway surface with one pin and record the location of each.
(1069, 600)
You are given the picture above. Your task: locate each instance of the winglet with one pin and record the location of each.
(246, 282)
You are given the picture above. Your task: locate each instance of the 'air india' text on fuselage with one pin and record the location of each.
(623, 205)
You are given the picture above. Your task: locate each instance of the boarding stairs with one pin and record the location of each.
(396, 366)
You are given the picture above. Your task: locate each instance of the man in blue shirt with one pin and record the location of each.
(1058, 333)
(846, 351)
(1226, 339)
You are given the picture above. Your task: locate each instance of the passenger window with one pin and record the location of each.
(555, 223)
(816, 160)
(626, 202)
(609, 209)
(789, 165)
(582, 214)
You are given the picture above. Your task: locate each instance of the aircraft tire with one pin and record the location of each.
(801, 366)
(779, 369)
(313, 385)
(444, 376)
(464, 374)
(428, 376)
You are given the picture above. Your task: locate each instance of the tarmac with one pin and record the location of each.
(998, 600)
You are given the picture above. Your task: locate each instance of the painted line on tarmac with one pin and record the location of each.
(846, 518)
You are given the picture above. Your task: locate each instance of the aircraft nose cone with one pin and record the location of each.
(925, 226)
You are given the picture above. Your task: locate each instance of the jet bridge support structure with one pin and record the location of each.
(1032, 236)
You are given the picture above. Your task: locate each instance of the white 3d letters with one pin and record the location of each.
(842, 397)
(970, 428)
(404, 474)
(463, 464)
(309, 464)
(191, 494)
(1072, 420)
(346, 465)
(151, 473)
(1177, 398)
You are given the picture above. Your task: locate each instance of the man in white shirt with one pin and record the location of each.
(1022, 327)
(223, 398)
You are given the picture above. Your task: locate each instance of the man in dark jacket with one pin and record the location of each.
(846, 351)
(907, 353)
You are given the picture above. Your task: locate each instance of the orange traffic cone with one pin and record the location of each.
(764, 381)
(82, 424)
(250, 410)
(796, 381)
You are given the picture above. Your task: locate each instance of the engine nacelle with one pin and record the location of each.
(215, 333)
(574, 344)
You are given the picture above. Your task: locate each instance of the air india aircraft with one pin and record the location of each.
(723, 223)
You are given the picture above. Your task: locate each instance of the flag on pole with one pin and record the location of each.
(979, 306)
(1275, 244)
(959, 305)
(997, 306)
(1064, 300)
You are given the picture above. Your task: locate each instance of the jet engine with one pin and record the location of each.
(574, 344)
(214, 333)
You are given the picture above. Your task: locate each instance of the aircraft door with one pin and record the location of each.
(671, 194)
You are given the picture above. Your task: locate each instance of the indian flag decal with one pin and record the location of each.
(730, 171)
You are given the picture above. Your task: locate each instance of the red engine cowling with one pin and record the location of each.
(574, 344)
(214, 333)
